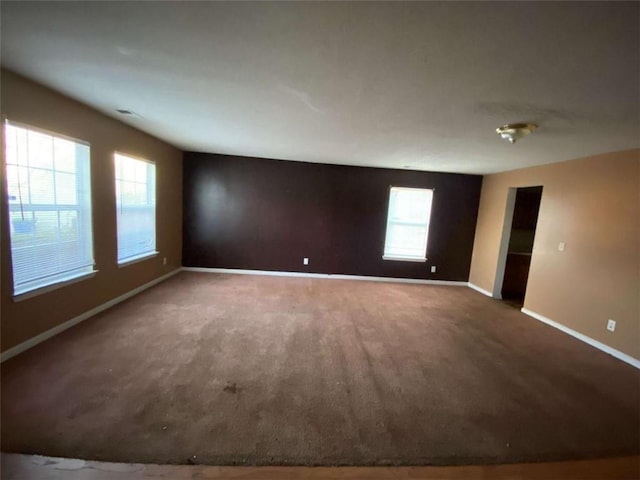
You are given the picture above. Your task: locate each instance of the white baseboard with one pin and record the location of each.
(479, 289)
(33, 341)
(594, 343)
(324, 275)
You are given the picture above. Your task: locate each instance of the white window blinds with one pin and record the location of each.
(136, 208)
(49, 202)
(408, 224)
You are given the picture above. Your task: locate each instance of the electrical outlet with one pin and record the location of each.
(561, 247)
(611, 325)
(433, 269)
(164, 260)
(305, 261)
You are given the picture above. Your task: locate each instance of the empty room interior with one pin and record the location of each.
(292, 238)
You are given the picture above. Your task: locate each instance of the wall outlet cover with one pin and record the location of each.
(611, 325)
(433, 269)
(305, 261)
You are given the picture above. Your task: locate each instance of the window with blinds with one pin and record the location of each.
(408, 224)
(136, 208)
(49, 201)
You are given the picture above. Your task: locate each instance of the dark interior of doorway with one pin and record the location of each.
(523, 229)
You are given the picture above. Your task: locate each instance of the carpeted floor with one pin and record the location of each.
(234, 369)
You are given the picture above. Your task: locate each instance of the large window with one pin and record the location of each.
(49, 200)
(136, 204)
(408, 224)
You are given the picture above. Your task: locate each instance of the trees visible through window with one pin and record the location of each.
(408, 224)
(136, 208)
(49, 201)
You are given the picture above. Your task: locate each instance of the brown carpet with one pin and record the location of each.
(233, 369)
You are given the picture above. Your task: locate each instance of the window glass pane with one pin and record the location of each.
(408, 223)
(140, 174)
(51, 240)
(410, 206)
(41, 184)
(118, 162)
(406, 238)
(140, 194)
(22, 228)
(10, 147)
(18, 184)
(46, 226)
(40, 150)
(64, 155)
(16, 147)
(128, 169)
(69, 225)
(128, 193)
(66, 192)
(136, 213)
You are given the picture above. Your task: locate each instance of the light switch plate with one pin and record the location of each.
(561, 247)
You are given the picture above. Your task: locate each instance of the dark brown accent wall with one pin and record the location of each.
(260, 214)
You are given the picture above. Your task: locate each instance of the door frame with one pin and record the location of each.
(504, 243)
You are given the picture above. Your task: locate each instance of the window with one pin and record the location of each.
(136, 204)
(408, 224)
(49, 201)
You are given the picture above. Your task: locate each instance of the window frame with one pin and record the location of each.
(85, 228)
(389, 222)
(151, 179)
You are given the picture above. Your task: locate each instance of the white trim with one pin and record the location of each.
(138, 258)
(479, 289)
(504, 242)
(404, 259)
(594, 343)
(33, 341)
(324, 275)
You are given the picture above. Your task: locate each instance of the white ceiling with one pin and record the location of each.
(401, 85)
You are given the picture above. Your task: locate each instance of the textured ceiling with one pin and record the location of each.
(401, 85)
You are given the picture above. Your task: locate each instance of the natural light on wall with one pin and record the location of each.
(49, 200)
(408, 224)
(136, 208)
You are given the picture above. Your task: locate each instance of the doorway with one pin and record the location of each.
(520, 244)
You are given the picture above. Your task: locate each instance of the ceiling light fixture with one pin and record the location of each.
(515, 131)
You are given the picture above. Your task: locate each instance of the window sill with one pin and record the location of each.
(404, 259)
(54, 286)
(139, 258)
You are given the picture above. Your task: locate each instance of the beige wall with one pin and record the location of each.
(592, 204)
(26, 102)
